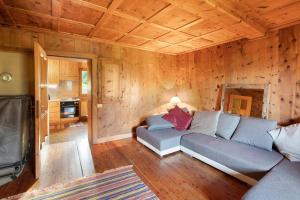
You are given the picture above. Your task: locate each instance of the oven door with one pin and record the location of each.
(69, 110)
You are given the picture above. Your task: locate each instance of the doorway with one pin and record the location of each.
(68, 91)
(64, 97)
(66, 154)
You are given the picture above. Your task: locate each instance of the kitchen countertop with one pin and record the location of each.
(66, 99)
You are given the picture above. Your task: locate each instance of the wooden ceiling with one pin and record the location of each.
(167, 26)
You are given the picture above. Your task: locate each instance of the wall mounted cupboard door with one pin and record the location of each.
(69, 70)
(53, 72)
(111, 72)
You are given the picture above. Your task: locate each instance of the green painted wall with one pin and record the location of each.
(20, 65)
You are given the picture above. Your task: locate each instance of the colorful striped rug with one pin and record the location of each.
(120, 183)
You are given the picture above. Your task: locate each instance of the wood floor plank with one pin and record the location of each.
(177, 176)
(61, 164)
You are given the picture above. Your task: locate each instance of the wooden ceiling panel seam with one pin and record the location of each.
(216, 4)
(145, 21)
(130, 34)
(237, 13)
(90, 5)
(112, 6)
(213, 44)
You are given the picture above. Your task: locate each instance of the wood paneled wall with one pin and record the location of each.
(274, 60)
(143, 82)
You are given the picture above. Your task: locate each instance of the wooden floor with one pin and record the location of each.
(177, 176)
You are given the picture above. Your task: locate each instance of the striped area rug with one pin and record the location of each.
(120, 183)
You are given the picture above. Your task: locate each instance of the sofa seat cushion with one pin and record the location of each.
(161, 139)
(281, 183)
(245, 159)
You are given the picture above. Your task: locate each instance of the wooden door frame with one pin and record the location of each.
(93, 87)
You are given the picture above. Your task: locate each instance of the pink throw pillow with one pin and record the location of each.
(170, 118)
(179, 118)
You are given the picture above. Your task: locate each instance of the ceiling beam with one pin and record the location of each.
(56, 8)
(235, 10)
(241, 12)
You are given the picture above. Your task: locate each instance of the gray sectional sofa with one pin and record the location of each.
(242, 148)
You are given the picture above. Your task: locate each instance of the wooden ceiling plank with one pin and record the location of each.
(91, 5)
(112, 7)
(190, 24)
(237, 11)
(3, 6)
(45, 15)
(233, 10)
(213, 44)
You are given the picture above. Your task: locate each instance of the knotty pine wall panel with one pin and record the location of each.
(274, 59)
(146, 80)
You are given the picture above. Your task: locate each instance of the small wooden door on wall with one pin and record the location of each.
(41, 102)
(112, 86)
(110, 74)
(240, 105)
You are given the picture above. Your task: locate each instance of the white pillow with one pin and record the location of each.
(287, 140)
(205, 122)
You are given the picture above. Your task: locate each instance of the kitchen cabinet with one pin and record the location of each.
(83, 108)
(53, 72)
(69, 70)
(54, 112)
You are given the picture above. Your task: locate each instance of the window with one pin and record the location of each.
(84, 82)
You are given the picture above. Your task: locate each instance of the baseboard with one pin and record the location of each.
(220, 167)
(160, 153)
(113, 138)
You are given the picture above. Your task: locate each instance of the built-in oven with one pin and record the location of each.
(69, 109)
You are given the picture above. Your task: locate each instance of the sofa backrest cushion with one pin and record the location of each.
(226, 125)
(156, 122)
(254, 131)
(205, 122)
(287, 141)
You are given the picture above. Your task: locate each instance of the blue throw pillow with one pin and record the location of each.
(156, 122)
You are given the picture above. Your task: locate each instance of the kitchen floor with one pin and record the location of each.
(67, 156)
(77, 132)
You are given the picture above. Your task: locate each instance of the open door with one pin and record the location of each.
(41, 102)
